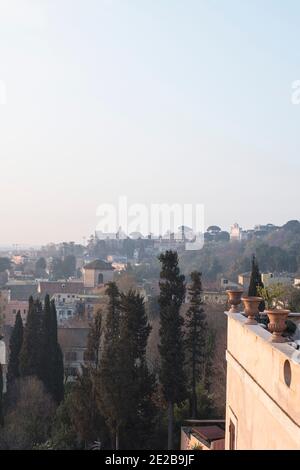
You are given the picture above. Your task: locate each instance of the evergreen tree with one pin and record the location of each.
(126, 385)
(15, 345)
(138, 382)
(171, 348)
(31, 352)
(195, 341)
(53, 369)
(1, 395)
(91, 414)
(92, 354)
(255, 282)
(110, 377)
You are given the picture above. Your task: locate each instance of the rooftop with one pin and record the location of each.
(209, 433)
(100, 265)
(60, 287)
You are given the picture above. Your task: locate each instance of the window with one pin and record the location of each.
(231, 436)
(14, 311)
(71, 371)
(71, 356)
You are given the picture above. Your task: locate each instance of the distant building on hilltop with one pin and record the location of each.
(97, 273)
(273, 278)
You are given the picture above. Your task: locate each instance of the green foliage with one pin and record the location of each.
(69, 266)
(28, 423)
(15, 345)
(32, 346)
(139, 382)
(195, 339)
(92, 354)
(274, 295)
(1, 395)
(255, 282)
(124, 382)
(52, 360)
(110, 386)
(4, 264)
(40, 267)
(171, 348)
(294, 299)
(290, 327)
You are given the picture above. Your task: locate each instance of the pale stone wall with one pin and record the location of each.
(91, 277)
(263, 408)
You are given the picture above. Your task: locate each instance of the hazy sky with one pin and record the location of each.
(163, 101)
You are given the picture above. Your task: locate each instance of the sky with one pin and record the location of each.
(160, 101)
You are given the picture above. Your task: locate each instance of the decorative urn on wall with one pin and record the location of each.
(274, 297)
(251, 306)
(234, 299)
(277, 324)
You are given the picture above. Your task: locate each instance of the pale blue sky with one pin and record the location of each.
(161, 100)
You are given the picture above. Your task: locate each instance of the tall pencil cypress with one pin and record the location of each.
(58, 363)
(112, 367)
(15, 345)
(53, 371)
(171, 348)
(195, 340)
(31, 352)
(255, 282)
(1, 395)
(138, 381)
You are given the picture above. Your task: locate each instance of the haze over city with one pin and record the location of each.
(164, 102)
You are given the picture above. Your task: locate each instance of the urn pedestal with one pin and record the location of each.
(234, 299)
(277, 324)
(251, 306)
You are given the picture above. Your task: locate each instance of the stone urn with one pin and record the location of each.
(251, 306)
(234, 299)
(277, 324)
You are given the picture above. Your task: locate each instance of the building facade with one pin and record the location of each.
(97, 273)
(263, 390)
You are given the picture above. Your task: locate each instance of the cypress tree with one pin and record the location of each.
(53, 370)
(171, 348)
(255, 282)
(58, 363)
(92, 354)
(196, 337)
(15, 345)
(111, 368)
(31, 352)
(126, 385)
(1, 395)
(138, 381)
